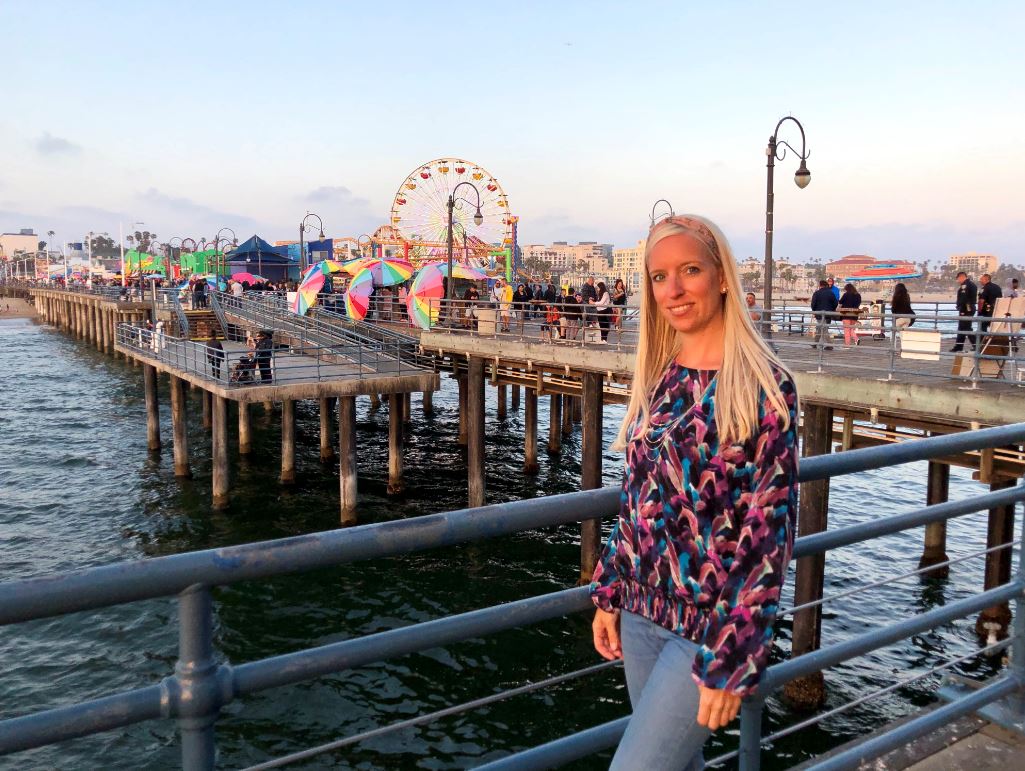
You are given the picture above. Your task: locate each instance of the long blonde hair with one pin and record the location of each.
(748, 362)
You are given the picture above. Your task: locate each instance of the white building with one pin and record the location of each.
(563, 256)
(974, 264)
(24, 241)
(628, 264)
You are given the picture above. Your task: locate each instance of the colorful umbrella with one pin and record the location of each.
(352, 267)
(387, 270)
(424, 299)
(312, 283)
(460, 270)
(357, 296)
(247, 278)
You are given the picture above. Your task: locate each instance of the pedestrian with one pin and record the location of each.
(569, 320)
(618, 304)
(215, 356)
(850, 308)
(1013, 291)
(589, 293)
(833, 288)
(967, 297)
(264, 351)
(521, 304)
(538, 299)
(603, 310)
(689, 582)
(502, 296)
(900, 305)
(471, 298)
(823, 304)
(988, 296)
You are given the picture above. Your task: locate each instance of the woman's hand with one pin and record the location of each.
(605, 628)
(716, 708)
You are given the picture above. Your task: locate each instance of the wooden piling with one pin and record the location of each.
(268, 408)
(935, 548)
(578, 413)
(428, 402)
(179, 428)
(149, 379)
(461, 381)
(106, 328)
(476, 481)
(994, 621)
(555, 424)
(375, 401)
(245, 429)
(327, 448)
(287, 441)
(590, 467)
(347, 458)
(530, 431)
(809, 692)
(207, 399)
(407, 407)
(500, 396)
(395, 482)
(567, 415)
(514, 393)
(221, 469)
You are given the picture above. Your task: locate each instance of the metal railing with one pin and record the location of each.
(199, 688)
(283, 364)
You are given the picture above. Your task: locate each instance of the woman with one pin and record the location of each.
(470, 299)
(521, 303)
(689, 582)
(603, 306)
(900, 305)
(850, 307)
(618, 304)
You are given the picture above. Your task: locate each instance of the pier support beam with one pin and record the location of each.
(407, 408)
(106, 330)
(207, 399)
(475, 432)
(555, 424)
(327, 448)
(149, 380)
(993, 622)
(245, 429)
(514, 397)
(590, 468)
(179, 428)
(567, 414)
(221, 473)
(530, 431)
(287, 441)
(461, 382)
(809, 692)
(395, 409)
(428, 402)
(347, 458)
(375, 402)
(501, 389)
(935, 550)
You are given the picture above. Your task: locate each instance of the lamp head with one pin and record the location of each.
(802, 177)
(321, 235)
(478, 218)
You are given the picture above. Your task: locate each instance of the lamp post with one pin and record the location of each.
(478, 219)
(302, 246)
(221, 263)
(777, 150)
(359, 248)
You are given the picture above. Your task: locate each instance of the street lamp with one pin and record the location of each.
(359, 248)
(478, 220)
(302, 247)
(221, 262)
(777, 150)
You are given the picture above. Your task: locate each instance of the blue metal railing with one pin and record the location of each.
(200, 687)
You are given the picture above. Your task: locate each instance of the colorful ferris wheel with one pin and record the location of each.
(420, 211)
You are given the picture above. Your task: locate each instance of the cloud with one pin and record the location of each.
(48, 144)
(186, 213)
(337, 195)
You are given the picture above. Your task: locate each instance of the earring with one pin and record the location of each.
(722, 291)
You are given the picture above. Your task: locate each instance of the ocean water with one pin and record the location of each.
(78, 488)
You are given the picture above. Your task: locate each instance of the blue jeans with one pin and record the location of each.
(663, 734)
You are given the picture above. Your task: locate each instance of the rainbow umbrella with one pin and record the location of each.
(357, 296)
(312, 283)
(247, 278)
(354, 266)
(459, 270)
(387, 270)
(424, 299)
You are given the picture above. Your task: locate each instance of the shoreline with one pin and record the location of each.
(16, 308)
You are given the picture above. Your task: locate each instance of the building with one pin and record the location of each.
(25, 241)
(973, 264)
(852, 263)
(561, 256)
(628, 264)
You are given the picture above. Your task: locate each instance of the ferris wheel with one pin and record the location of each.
(420, 210)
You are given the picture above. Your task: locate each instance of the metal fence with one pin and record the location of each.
(284, 364)
(199, 688)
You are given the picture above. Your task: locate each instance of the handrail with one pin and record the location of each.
(199, 689)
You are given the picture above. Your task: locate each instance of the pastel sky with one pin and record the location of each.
(191, 116)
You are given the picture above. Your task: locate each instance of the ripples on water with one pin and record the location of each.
(77, 488)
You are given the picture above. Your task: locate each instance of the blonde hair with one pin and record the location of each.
(748, 362)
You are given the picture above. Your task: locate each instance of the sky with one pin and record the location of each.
(192, 116)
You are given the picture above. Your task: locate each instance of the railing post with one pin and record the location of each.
(198, 704)
(1017, 666)
(751, 733)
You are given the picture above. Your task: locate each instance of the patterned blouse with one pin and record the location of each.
(704, 532)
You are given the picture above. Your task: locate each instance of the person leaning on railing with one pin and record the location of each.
(689, 582)
(850, 308)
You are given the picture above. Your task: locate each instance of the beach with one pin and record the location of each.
(16, 308)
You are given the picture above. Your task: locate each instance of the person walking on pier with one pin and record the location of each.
(689, 582)
(850, 304)
(967, 297)
(988, 296)
(215, 356)
(264, 350)
(823, 303)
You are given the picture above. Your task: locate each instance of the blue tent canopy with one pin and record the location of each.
(257, 256)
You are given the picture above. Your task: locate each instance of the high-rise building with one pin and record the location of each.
(24, 241)
(974, 264)
(586, 256)
(628, 264)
